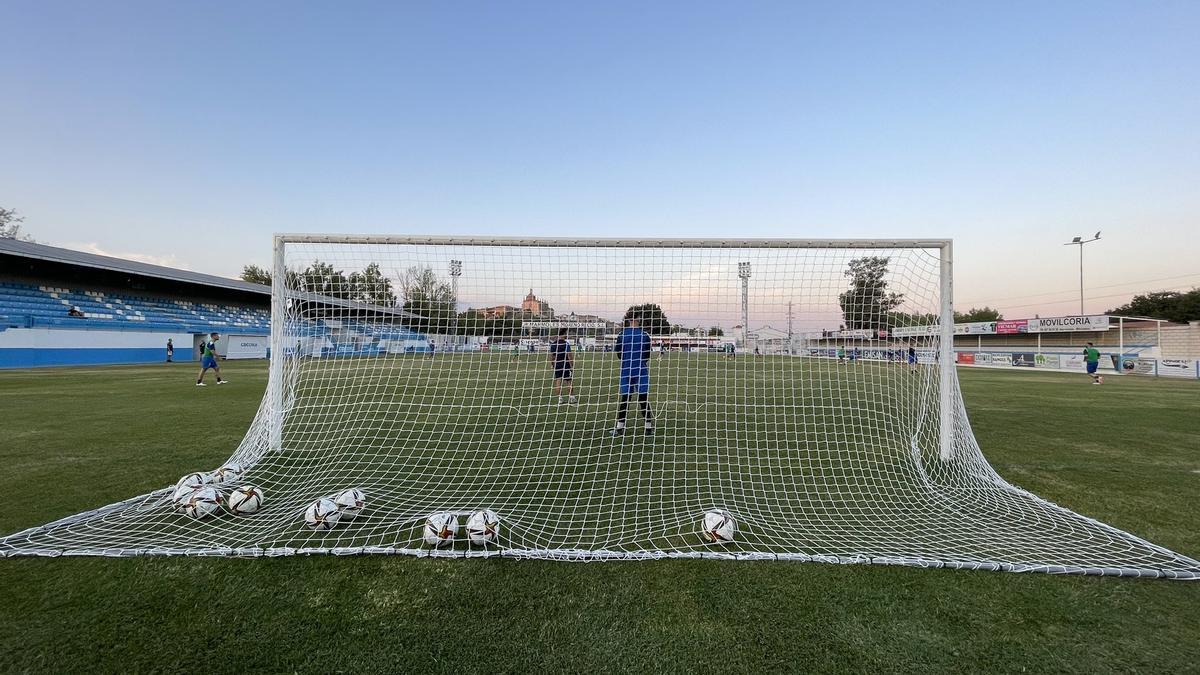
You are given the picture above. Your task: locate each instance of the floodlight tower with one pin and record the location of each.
(1080, 241)
(789, 347)
(744, 275)
(455, 273)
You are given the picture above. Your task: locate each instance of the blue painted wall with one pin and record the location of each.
(39, 358)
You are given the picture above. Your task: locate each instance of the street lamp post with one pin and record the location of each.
(455, 273)
(1080, 241)
(744, 275)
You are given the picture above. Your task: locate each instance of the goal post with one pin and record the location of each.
(946, 358)
(617, 399)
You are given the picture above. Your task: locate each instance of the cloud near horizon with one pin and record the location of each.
(171, 260)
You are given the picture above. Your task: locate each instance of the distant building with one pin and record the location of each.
(769, 340)
(532, 306)
(499, 311)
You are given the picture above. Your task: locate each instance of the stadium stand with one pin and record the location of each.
(60, 307)
(28, 306)
(65, 307)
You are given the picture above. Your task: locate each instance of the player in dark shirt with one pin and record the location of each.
(563, 363)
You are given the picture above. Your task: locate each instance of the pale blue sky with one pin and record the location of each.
(189, 133)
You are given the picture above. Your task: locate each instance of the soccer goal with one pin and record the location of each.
(610, 400)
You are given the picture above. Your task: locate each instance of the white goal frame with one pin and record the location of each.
(946, 404)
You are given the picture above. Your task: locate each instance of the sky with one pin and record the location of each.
(188, 133)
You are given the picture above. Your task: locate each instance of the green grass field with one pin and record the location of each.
(1127, 453)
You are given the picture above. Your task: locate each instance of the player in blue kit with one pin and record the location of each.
(633, 345)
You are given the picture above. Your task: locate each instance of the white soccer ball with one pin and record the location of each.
(227, 473)
(184, 488)
(441, 528)
(350, 502)
(204, 502)
(719, 527)
(244, 500)
(483, 527)
(322, 514)
(194, 481)
(180, 497)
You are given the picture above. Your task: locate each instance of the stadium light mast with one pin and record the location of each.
(455, 273)
(789, 346)
(1080, 241)
(744, 275)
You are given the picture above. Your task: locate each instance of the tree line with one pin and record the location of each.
(428, 303)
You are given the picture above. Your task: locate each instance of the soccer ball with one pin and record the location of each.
(719, 527)
(441, 528)
(185, 487)
(194, 481)
(204, 502)
(483, 527)
(322, 514)
(245, 500)
(227, 473)
(180, 497)
(350, 502)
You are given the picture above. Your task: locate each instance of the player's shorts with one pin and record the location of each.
(208, 362)
(1092, 366)
(562, 371)
(912, 358)
(635, 381)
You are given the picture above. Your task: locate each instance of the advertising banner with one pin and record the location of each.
(1068, 324)
(1137, 366)
(1010, 327)
(1178, 368)
(1023, 360)
(563, 324)
(979, 328)
(246, 347)
(966, 357)
(1071, 362)
(914, 331)
(1046, 361)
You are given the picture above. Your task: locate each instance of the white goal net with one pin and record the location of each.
(600, 398)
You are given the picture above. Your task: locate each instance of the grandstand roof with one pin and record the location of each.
(66, 256)
(26, 249)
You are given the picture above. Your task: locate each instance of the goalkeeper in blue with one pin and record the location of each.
(633, 345)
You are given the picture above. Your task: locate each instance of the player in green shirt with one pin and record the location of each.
(1092, 356)
(208, 360)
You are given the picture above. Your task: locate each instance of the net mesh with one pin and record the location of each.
(797, 387)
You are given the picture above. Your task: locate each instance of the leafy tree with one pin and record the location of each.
(256, 275)
(867, 303)
(372, 287)
(323, 279)
(474, 322)
(1168, 305)
(428, 297)
(978, 314)
(905, 319)
(651, 318)
(10, 225)
(716, 331)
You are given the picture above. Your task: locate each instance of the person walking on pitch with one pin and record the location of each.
(1091, 356)
(208, 359)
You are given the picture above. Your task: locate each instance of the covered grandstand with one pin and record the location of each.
(60, 307)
